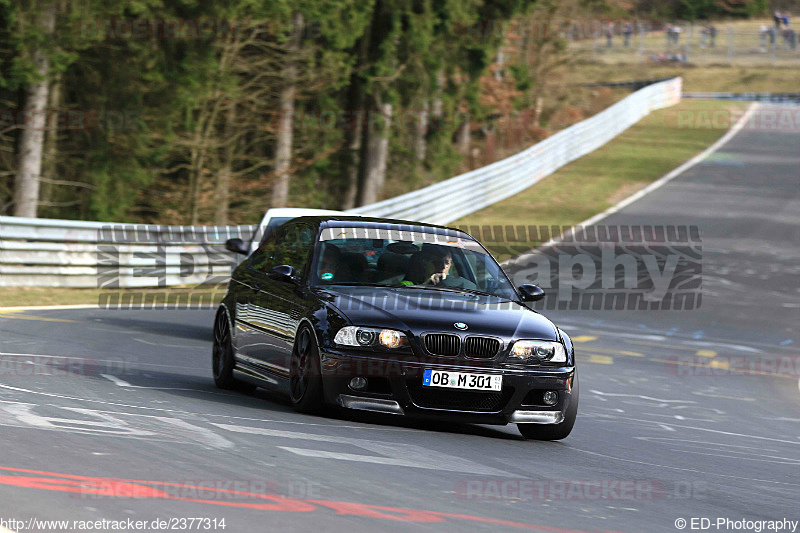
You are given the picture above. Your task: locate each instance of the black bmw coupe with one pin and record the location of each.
(395, 317)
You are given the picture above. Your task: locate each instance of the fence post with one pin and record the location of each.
(774, 51)
(640, 34)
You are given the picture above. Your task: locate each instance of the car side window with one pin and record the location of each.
(261, 260)
(293, 247)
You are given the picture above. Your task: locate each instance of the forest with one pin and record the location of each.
(202, 112)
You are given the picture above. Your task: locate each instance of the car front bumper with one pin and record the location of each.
(400, 390)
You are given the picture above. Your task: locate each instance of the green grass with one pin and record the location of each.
(45, 296)
(640, 155)
(711, 78)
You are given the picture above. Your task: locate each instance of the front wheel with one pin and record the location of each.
(305, 379)
(222, 357)
(554, 431)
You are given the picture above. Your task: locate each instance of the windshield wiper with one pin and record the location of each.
(449, 289)
(358, 284)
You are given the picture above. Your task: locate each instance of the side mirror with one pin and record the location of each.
(531, 293)
(237, 246)
(283, 273)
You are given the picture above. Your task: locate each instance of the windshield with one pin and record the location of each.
(413, 259)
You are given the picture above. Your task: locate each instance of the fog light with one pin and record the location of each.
(550, 397)
(358, 383)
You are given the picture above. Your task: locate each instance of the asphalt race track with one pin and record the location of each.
(112, 414)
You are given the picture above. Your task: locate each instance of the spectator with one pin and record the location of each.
(762, 35)
(712, 33)
(676, 34)
(785, 20)
(790, 38)
(703, 36)
(627, 32)
(609, 34)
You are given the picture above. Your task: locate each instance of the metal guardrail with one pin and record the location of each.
(65, 253)
(449, 200)
(778, 98)
(634, 85)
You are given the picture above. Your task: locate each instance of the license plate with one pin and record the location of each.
(462, 380)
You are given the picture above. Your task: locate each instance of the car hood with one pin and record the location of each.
(424, 310)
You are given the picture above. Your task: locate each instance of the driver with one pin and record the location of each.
(438, 262)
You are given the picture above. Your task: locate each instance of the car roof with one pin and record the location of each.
(295, 212)
(352, 221)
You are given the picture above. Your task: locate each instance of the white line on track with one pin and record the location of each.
(681, 469)
(180, 411)
(670, 175)
(650, 188)
(116, 381)
(708, 430)
(50, 307)
(619, 395)
(122, 383)
(162, 345)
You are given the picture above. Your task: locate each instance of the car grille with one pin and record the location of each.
(443, 344)
(481, 347)
(458, 400)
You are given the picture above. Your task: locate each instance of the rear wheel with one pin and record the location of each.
(222, 357)
(554, 431)
(305, 380)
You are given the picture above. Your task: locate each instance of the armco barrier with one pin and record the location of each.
(68, 253)
(449, 200)
(64, 253)
(777, 98)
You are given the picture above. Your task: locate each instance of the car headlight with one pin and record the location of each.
(538, 351)
(370, 337)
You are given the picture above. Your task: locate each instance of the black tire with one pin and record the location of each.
(554, 431)
(222, 357)
(305, 380)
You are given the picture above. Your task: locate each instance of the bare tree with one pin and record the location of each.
(31, 143)
(375, 152)
(283, 145)
(222, 192)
